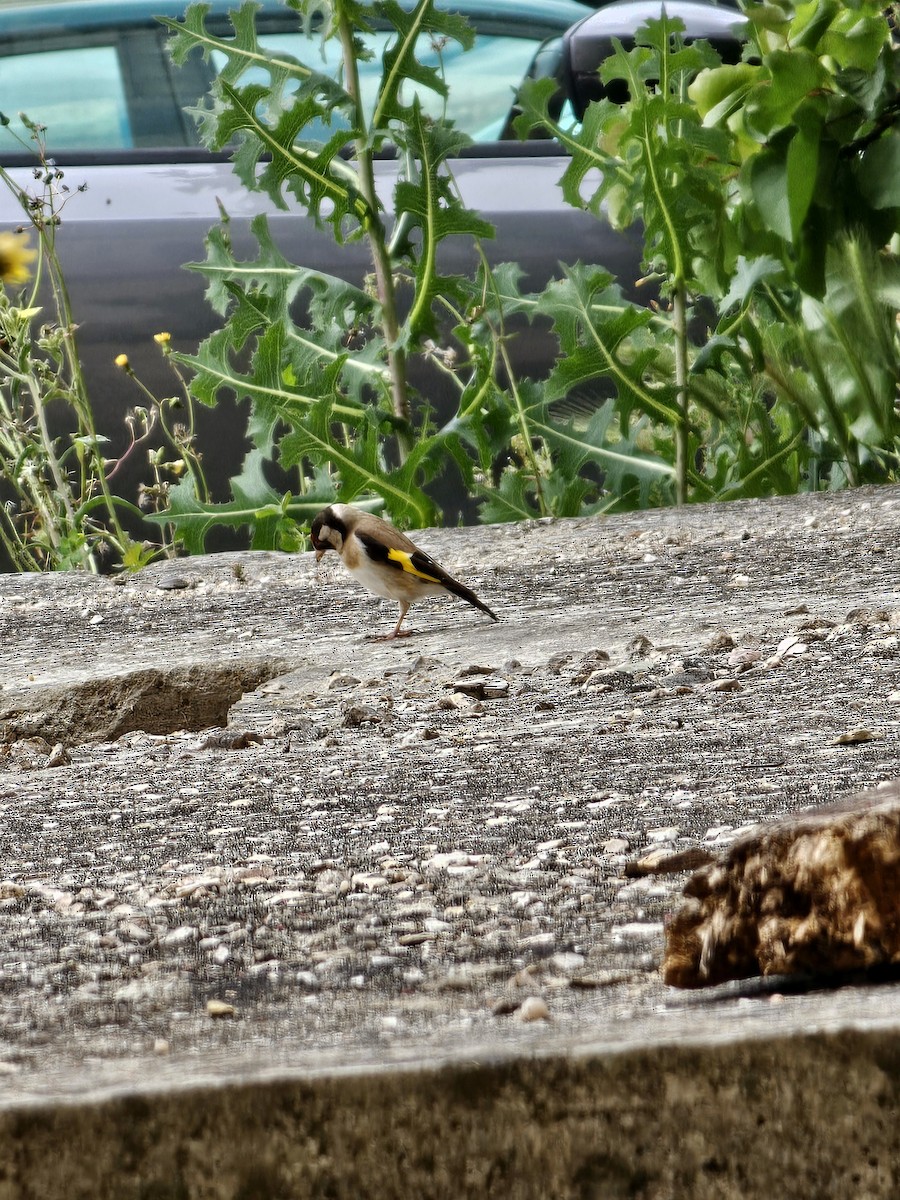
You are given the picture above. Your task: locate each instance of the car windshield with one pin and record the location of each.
(98, 76)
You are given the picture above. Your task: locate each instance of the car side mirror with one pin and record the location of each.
(546, 64)
(587, 44)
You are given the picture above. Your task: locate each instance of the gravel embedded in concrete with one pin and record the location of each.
(392, 847)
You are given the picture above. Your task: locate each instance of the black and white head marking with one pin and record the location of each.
(328, 531)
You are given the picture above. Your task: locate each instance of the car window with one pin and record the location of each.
(97, 90)
(78, 93)
(482, 81)
(115, 88)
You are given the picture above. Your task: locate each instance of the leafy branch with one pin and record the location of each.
(753, 204)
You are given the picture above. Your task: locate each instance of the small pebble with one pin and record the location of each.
(533, 1008)
(219, 1009)
(854, 737)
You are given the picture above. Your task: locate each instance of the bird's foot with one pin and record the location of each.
(389, 637)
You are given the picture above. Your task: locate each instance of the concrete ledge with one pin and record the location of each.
(812, 1115)
(389, 929)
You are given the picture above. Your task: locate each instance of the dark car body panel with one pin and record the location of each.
(123, 254)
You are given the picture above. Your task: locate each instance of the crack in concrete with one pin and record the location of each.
(157, 700)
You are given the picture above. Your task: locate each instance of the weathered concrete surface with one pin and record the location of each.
(371, 868)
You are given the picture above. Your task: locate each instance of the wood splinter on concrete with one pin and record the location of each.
(816, 892)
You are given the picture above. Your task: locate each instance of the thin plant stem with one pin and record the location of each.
(384, 280)
(679, 332)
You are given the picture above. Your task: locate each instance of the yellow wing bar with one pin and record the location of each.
(405, 561)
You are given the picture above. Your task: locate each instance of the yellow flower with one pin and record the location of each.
(162, 339)
(15, 257)
(122, 361)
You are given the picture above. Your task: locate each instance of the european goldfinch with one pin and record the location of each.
(384, 560)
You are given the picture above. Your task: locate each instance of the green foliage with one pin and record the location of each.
(660, 166)
(601, 335)
(327, 366)
(429, 204)
(255, 504)
(812, 131)
(769, 194)
(59, 510)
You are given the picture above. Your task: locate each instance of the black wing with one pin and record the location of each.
(422, 566)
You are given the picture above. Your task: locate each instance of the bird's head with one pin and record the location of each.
(327, 533)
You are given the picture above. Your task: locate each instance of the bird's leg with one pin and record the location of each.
(404, 609)
(389, 637)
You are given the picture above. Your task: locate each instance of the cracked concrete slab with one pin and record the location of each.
(385, 932)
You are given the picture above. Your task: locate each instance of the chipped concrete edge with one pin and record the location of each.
(730, 1117)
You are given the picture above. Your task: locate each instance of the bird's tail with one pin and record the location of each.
(425, 567)
(464, 593)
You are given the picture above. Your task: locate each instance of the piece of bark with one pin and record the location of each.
(669, 862)
(817, 892)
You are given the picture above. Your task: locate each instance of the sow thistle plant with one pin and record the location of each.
(768, 364)
(769, 196)
(326, 365)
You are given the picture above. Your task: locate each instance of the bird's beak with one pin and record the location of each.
(320, 554)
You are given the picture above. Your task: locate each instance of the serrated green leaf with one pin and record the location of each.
(242, 54)
(635, 67)
(428, 203)
(359, 464)
(401, 64)
(271, 158)
(267, 120)
(748, 274)
(256, 506)
(264, 385)
(264, 291)
(595, 162)
(660, 61)
(583, 145)
(497, 291)
(617, 457)
(509, 501)
(595, 326)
